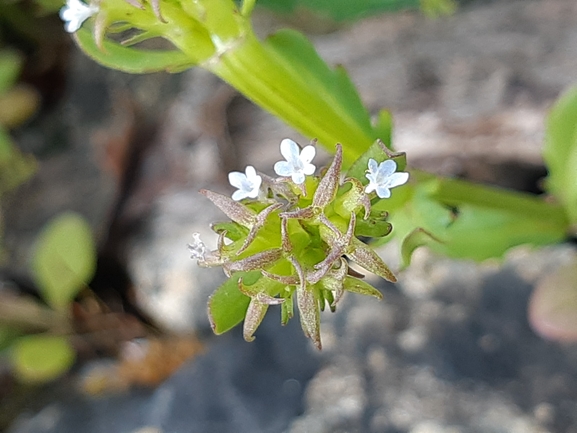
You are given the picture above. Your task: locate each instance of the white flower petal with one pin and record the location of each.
(397, 179)
(370, 187)
(372, 165)
(298, 177)
(309, 169)
(239, 195)
(289, 150)
(250, 172)
(383, 192)
(283, 168)
(308, 154)
(387, 168)
(236, 179)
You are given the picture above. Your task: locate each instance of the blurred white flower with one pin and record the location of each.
(297, 163)
(247, 183)
(75, 13)
(383, 177)
(197, 248)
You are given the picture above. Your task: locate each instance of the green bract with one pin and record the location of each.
(289, 247)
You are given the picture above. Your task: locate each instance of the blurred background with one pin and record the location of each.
(104, 168)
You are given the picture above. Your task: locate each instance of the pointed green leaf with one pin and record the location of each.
(227, 306)
(64, 259)
(560, 152)
(234, 231)
(41, 358)
(366, 257)
(360, 287)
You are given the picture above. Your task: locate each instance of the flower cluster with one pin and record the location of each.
(289, 238)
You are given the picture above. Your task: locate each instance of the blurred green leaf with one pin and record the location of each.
(468, 224)
(227, 306)
(436, 8)
(64, 260)
(49, 6)
(479, 233)
(15, 167)
(384, 128)
(560, 152)
(41, 358)
(8, 335)
(298, 58)
(10, 66)
(340, 10)
(130, 59)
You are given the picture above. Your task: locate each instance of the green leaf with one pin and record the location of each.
(15, 167)
(41, 358)
(340, 10)
(234, 231)
(469, 221)
(10, 66)
(129, 59)
(299, 58)
(560, 152)
(360, 287)
(480, 233)
(383, 128)
(227, 305)
(65, 259)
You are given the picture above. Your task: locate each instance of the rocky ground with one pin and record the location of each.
(448, 350)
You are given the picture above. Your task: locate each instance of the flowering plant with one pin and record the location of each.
(290, 244)
(288, 238)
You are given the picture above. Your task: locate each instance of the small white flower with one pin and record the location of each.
(297, 163)
(248, 183)
(383, 177)
(197, 248)
(75, 13)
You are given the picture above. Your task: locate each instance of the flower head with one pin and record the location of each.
(75, 13)
(247, 183)
(297, 163)
(383, 177)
